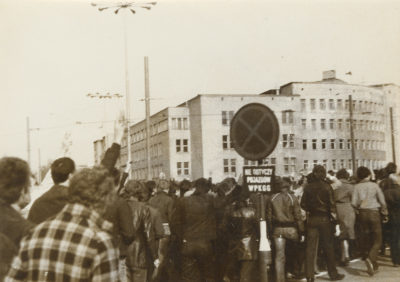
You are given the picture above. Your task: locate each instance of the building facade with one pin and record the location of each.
(192, 140)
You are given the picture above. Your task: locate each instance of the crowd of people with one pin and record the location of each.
(96, 225)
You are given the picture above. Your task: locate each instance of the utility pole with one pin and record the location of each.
(147, 102)
(132, 7)
(28, 140)
(392, 134)
(39, 178)
(353, 152)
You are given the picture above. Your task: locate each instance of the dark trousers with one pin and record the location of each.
(395, 242)
(320, 227)
(371, 234)
(198, 264)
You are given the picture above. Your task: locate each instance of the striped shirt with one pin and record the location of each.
(75, 245)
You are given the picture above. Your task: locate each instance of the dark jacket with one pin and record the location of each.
(120, 215)
(141, 252)
(318, 198)
(241, 225)
(194, 218)
(164, 204)
(49, 204)
(392, 197)
(12, 224)
(283, 210)
(7, 252)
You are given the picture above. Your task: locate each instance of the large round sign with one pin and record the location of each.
(254, 131)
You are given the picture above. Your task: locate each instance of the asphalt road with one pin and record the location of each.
(356, 271)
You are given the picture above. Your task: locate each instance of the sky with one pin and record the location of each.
(53, 53)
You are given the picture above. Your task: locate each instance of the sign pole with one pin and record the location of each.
(264, 252)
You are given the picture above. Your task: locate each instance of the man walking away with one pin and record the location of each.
(318, 202)
(368, 199)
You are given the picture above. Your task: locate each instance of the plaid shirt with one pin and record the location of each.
(73, 246)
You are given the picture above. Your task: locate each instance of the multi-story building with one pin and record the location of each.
(192, 140)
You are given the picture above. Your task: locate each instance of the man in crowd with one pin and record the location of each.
(14, 181)
(284, 216)
(318, 201)
(75, 245)
(369, 200)
(54, 200)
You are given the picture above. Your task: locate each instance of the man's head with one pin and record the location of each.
(390, 168)
(163, 185)
(202, 185)
(319, 172)
(92, 187)
(14, 178)
(342, 174)
(363, 172)
(61, 169)
(133, 188)
(150, 185)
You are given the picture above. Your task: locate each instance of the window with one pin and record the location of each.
(334, 164)
(339, 123)
(314, 124)
(349, 164)
(331, 104)
(356, 144)
(331, 124)
(303, 105)
(323, 144)
(315, 162)
(251, 163)
(185, 145)
(346, 105)
(341, 144)
(332, 143)
(288, 141)
(354, 124)
(227, 117)
(287, 117)
(186, 168)
(182, 145)
(348, 144)
(325, 163)
(178, 145)
(229, 166)
(347, 123)
(362, 144)
(304, 144)
(289, 165)
(322, 104)
(182, 168)
(314, 144)
(225, 144)
(361, 124)
(323, 125)
(305, 164)
(179, 123)
(312, 104)
(303, 123)
(339, 104)
(342, 165)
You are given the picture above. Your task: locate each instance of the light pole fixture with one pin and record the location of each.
(132, 7)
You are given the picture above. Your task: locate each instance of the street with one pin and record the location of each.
(356, 271)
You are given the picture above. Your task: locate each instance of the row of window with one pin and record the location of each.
(158, 127)
(182, 145)
(141, 154)
(340, 104)
(341, 124)
(343, 144)
(339, 164)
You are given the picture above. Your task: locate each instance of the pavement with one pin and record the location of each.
(357, 271)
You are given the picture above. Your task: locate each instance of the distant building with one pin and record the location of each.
(192, 140)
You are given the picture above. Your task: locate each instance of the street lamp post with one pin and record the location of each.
(353, 151)
(131, 6)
